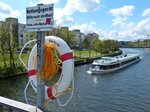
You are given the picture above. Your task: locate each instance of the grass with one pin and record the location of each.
(16, 57)
(78, 55)
(86, 54)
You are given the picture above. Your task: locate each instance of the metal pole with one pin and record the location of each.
(40, 61)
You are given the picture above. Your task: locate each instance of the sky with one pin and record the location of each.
(127, 20)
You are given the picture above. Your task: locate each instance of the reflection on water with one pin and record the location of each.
(126, 90)
(95, 80)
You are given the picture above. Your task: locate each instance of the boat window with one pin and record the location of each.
(95, 66)
(128, 61)
(125, 55)
(109, 66)
(103, 67)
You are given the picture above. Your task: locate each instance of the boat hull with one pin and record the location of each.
(93, 71)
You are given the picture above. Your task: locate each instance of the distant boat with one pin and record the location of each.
(110, 64)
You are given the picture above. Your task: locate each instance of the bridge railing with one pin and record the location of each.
(9, 105)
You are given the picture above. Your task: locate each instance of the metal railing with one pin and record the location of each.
(9, 105)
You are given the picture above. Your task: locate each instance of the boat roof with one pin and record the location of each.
(114, 60)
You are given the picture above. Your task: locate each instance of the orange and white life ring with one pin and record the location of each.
(67, 68)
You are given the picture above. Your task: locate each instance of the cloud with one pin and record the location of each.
(126, 29)
(144, 26)
(34, 2)
(121, 16)
(86, 27)
(82, 6)
(132, 31)
(119, 21)
(61, 18)
(7, 11)
(65, 14)
(49, 1)
(123, 11)
(146, 12)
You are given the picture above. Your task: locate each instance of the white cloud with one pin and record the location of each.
(49, 1)
(119, 21)
(123, 11)
(126, 30)
(72, 6)
(61, 18)
(82, 5)
(7, 11)
(86, 27)
(146, 12)
(144, 25)
(121, 16)
(131, 31)
(32, 3)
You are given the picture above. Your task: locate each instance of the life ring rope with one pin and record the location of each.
(34, 40)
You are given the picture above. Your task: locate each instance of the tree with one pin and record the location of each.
(8, 45)
(111, 45)
(72, 40)
(86, 43)
(11, 43)
(98, 45)
(30, 36)
(3, 47)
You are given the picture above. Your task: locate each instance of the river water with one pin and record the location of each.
(127, 90)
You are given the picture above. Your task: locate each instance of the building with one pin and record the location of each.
(19, 32)
(80, 38)
(92, 36)
(22, 34)
(13, 22)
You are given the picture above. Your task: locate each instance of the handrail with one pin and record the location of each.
(16, 105)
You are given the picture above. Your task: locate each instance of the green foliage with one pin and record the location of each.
(18, 68)
(8, 46)
(145, 43)
(98, 45)
(105, 46)
(30, 35)
(111, 45)
(86, 43)
(85, 54)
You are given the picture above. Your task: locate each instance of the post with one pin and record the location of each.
(40, 61)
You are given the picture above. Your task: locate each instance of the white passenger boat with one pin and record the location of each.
(110, 64)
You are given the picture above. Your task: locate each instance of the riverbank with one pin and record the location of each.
(78, 61)
(90, 60)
